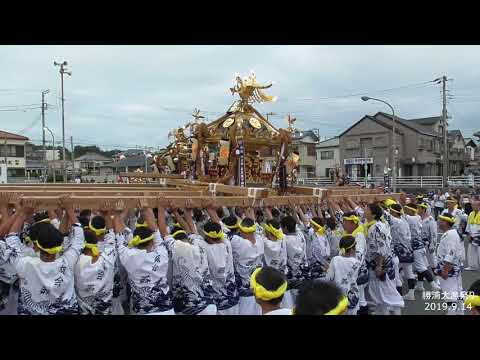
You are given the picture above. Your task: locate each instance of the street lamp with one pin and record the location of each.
(63, 70)
(147, 156)
(53, 143)
(394, 152)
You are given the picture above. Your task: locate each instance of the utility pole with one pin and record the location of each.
(71, 156)
(44, 107)
(146, 165)
(445, 131)
(63, 71)
(268, 114)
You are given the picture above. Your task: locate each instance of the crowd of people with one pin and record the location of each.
(335, 258)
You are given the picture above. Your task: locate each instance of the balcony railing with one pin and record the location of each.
(403, 182)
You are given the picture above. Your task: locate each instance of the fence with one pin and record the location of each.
(403, 182)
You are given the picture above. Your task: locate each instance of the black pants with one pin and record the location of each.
(438, 211)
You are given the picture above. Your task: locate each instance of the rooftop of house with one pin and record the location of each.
(92, 156)
(11, 136)
(300, 135)
(130, 161)
(334, 141)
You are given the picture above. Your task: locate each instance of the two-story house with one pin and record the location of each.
(456, 154)
(304, 142)
(328, 156)
(90, 162)
(12, 153)
(417, 144)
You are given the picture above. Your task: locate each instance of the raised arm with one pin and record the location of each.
(147, 214)
(250, 213)
(63, 227)
(75, 232)
(293, 211)
(181, 220)
(7, 219)
(162, 225)
(4, 202)
(302, 216)
(12, 248)
(118, 220)
(189, 219)
(211, 208)
(268, 213)
(353, 205)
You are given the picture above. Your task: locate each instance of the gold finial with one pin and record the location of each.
(250, 91)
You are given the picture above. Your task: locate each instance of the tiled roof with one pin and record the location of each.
(10, 136)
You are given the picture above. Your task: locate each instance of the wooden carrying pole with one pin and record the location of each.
(130, 201)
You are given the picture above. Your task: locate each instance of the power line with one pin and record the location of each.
(24, 110)
(20, 105)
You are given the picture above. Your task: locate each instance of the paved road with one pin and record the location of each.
(418, 307)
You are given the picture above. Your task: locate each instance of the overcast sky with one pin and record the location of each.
(122, 96)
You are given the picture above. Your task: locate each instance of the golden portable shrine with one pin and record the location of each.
(240, 148)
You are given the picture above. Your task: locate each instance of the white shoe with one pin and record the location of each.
(419, 286)
(410, 296)
(435, 286)
(469, 268)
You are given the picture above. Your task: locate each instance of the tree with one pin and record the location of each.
(79, 150)
(477, 134)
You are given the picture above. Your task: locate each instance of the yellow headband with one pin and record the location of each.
(447, 219)
(47, 220)
(423, 206)
(278, 233)
(137, 240)
(353, 218)
(28, 239)
(247, 230)
(141, 225)
(51, 251)
(410, 208)
(395, 211)
(93, 248)
(320, 230)
(389, 202)
(178, 232)
(263, 294)
(452, 200)
(98, 232)
(472, 300)
(231, 227)
(340, 308)
(214, 234)
(342, 251)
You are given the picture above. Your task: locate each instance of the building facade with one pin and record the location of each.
(328, 157)
(90, 163)
(457, 152)
(12, 154)
(418, 146)
(304, 142)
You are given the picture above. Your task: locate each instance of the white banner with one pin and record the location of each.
(358, 161)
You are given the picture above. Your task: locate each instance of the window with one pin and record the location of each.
(19, 151)
(16, 172)
(311, 150)
(326, 155)
(310, 170)
(366, 147)
(12, 150)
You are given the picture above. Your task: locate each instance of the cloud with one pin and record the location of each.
(133, 95)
